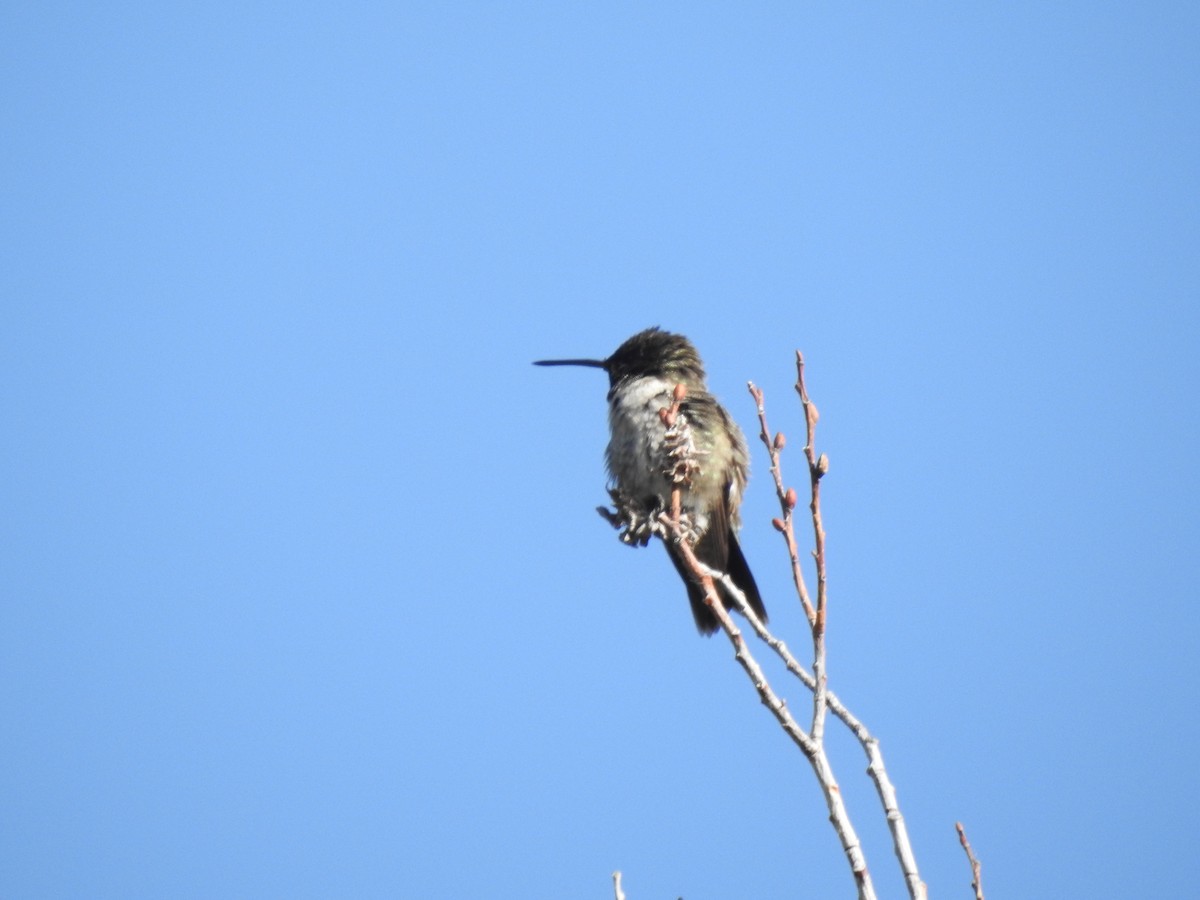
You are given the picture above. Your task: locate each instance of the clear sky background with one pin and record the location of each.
(302, 592)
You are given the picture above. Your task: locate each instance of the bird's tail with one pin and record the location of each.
(735, 567)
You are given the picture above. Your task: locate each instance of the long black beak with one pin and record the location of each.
(591, 363)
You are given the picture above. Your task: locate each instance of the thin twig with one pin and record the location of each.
(817, 466)
(787, 503)
(976, 882)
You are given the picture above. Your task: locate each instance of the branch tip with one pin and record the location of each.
(976, 867)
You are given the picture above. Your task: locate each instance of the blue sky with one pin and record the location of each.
(301, 588)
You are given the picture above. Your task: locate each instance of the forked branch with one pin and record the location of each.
(818, 466)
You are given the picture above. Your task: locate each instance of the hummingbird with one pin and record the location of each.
(644, 461)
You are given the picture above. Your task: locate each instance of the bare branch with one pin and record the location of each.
(813, 751)
(901, 843)
(618, 894)
(976, 882)
(816, 681)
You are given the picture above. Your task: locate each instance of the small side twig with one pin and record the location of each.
(817, 467)
(976, 882)
(618, 894)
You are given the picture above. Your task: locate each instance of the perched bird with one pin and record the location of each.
(704, 454)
